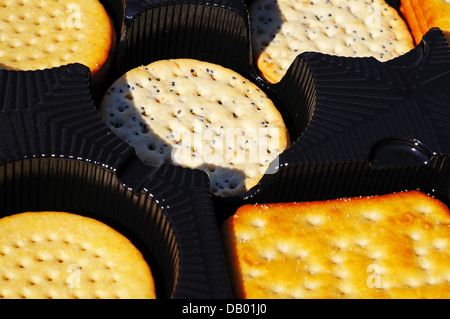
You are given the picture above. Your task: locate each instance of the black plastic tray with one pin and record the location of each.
(357, 126)
(57, 154)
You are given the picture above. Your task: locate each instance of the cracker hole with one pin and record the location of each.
(341, 292)
(258, 223)
(439, 245)
(338, 276)
(371, 217)
(116, 124)
(376, 255)
(144, 129)
(415, 236)
(336, 260)
(420, 251)
(233, 185)
(424, 266)
(309, 286)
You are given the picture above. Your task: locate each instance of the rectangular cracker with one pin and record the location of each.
(389, 246)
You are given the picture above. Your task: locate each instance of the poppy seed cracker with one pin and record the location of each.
(282, 29)
(199, 115)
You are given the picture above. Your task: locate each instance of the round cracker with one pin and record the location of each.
(199, 115)
(282, 29)
(59, 255)
(44, 34)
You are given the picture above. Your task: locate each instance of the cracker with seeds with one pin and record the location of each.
(282, 29)
(387, 246)
(199, 115)
(43, 34)
(59, 255)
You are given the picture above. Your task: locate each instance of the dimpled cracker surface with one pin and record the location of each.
(421, 16)
(282, 29)
(58, 255)
(39, 34)
(199, 115)
(389, 246)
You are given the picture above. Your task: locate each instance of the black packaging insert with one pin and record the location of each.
(357, 126)
(57, 154)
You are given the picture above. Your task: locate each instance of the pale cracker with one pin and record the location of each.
(199, 115)
(391, 246)
(282, 29)
(58, 255)
(40, 34)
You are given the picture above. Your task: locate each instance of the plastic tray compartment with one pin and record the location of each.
(369, 127)
(357, 126)
(57, 154)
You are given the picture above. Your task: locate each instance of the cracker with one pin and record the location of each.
(60, 255)
(44, 34)
(282, 29)
(421, 16)
(389, 246)
(199, 115)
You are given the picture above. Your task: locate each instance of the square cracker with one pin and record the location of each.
(389, 246)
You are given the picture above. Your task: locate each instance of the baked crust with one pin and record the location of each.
(390, 246)
(421, 16)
